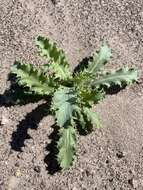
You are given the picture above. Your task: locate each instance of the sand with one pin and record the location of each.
(110, 158)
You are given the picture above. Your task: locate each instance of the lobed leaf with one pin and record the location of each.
(58, 63)
(60, 71)
(81, 78)
(92, 116)
(91, 96)
(66, 146)
(99, 59)
(119, 77)
(63, 103)
(32, 78)
(80, 117)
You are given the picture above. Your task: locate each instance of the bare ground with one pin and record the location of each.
(110, 158)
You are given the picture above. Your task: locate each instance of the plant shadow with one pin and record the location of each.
(30, 121)
(86, 130)
(82, 65)
(113, 89)
(16, 94)
(50, 159)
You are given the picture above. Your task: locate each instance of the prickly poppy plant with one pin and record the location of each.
(72, 93)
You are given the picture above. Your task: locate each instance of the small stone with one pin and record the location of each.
(120, 154)
(4, 119)
(19, 155)
(107, 161)
(18, 173)
(37, 169)
(87, 172)
(6, 163)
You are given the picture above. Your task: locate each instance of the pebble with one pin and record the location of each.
(18, 173)
(37, 169)
(4, 119)
(120, 154)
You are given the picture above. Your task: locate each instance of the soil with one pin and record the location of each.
(110, 158)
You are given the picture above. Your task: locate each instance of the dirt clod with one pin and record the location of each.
(37, 169)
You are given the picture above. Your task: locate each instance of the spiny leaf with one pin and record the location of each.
(28, 76)
(66, 146)
(80, 117)
(60, 71)
(92, 116)
(58, 63)
(83, 120)
(63, 104)
(49, 49)
(80, 78)
(90, 96)
(64, 113)
(119, 77)
(99, 59)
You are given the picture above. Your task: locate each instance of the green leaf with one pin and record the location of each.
(119, 77)
(92, 116)
(45, 68)
(85, 119)
(63, 103)
(99, 59)
(60, 71)
(64, 114)
(81, 78)
(49, 49)
(66, 146)
(80, 117)
(28, 76)
(90, 96)
(58, 63)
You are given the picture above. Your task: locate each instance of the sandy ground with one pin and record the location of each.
(108, 159)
